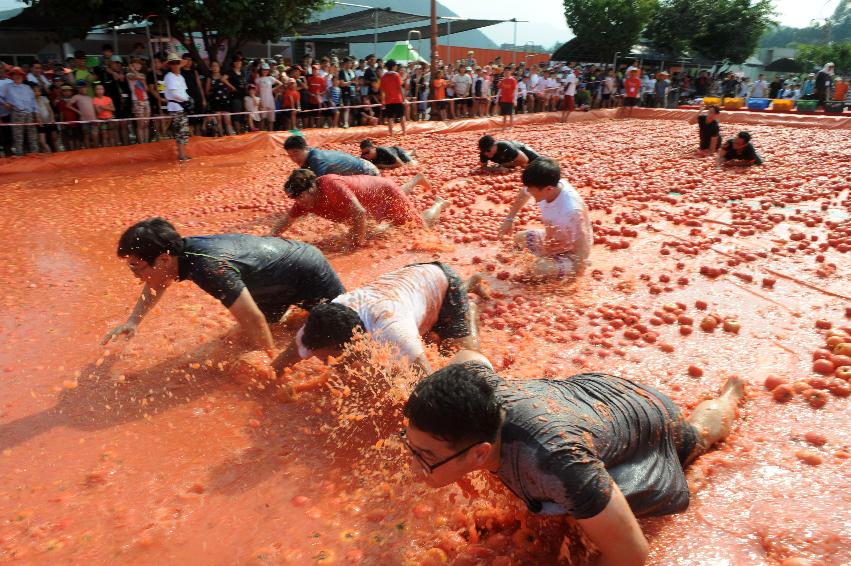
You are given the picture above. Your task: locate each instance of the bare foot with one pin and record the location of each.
(734, 387)
(476, 284)
(421, 180)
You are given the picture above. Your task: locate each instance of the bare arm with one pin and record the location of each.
(519, 202)
(281, 225)
(287, 358)
(616, 532)
(252, 321)
(520, 161)
(358, 231)
(146, 302)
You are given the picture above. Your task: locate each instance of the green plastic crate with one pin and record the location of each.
(807, 105)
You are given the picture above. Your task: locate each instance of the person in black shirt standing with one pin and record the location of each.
(116, 87)
(236, 77)
(709, 129)
(196, 92)
(390, 157)
(823, 80)
(505, 153)
(738, 151)
(775, 87)
(256, 279)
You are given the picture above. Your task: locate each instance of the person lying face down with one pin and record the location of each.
(256, 279)
(600, 448)
(353, 199)
(397, 309)
(325, 162)
(505, 153)
(386, 157)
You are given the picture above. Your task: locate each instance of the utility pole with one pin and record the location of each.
(434, 54)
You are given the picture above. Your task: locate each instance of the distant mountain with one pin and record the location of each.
(838, 28)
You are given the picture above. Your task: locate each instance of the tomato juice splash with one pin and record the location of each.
(147, 451)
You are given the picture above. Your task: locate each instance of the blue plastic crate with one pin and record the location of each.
(758, 103)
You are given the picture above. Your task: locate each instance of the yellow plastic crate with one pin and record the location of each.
(711, 101)
(782, 104)
(734, 103)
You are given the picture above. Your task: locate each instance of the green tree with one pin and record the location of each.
(225, 24)
(675, 22)
(733, 29)
(608, 26)
(815, 56)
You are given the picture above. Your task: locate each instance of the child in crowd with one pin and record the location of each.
(335, 97)
(46, 121)
(141, 104)
(83, 105)
(71, 133)
(253, 105)
(292, 104)
(104, 110)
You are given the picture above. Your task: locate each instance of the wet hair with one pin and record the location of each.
(746, 136)
(486, 142)
(456, 404)
(543, 172)
(390, 65)
(107, 47)
(300, 181)
(295, 142)
(364, 144)
(715, 108)
(150, 238)
(330, 325)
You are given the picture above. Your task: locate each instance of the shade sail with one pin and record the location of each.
(366, 34)
(358, 21)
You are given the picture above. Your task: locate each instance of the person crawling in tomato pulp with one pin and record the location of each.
(600, 448)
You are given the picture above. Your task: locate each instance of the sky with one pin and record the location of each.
(546, 20)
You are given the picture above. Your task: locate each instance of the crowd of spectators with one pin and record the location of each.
(121, 100)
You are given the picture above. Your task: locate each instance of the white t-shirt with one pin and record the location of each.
(551, 86)
(568, 215)
(571, 82)
(759, 89)
(397, 308)
(462, 85)
(175, 91)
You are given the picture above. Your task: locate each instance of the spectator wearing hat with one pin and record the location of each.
(18, 99)
(808, 87)
(178, 104)
(117, 88)
(386, 157)
(392, 96)
(70, 134)
(266, 86)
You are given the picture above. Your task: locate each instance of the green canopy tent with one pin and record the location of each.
(403, 53)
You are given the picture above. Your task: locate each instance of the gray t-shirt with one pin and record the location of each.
(564, 441)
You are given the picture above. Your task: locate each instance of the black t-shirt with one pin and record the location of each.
(774, 89)
(238, 82)
(564, 441)
(118, 91)
(387, 155)
(708, 130)
(277, 272)
(189, 75)
(822, 79)
(748, 153)
(507, 151)
(369, 75)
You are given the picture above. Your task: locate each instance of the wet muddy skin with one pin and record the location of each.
(146, 451)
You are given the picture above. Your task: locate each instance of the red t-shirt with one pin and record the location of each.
(391, 86)
(316, 86)
(631, 87)
(291, 98)
(380, 197)
(508, 90)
